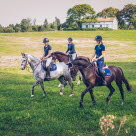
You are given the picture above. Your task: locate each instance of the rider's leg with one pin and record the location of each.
(48, 66)
(100, 64)
(74, 56)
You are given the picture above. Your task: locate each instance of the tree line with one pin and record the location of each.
(75, 16)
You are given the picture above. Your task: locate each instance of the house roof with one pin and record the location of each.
(106, 19)
(100, 19)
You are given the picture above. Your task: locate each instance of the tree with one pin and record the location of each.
(45, 24)
(128, 16)
(26, 25)
(78, 12)
(57, 21)
(9, 29)
(17, 28)
(34, 21)
(109, 12)
(1, 29)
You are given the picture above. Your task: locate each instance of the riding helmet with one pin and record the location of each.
(98, 38)
(70, 39)
(45, 40)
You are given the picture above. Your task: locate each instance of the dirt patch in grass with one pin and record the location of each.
(114, 49)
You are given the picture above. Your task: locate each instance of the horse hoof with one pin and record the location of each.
(71, 95)
(32, 96)
(61, 93)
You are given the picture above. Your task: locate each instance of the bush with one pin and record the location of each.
(9, 30)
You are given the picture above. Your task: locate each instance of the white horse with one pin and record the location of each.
(62, 73)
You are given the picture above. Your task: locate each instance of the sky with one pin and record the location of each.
(13, 11)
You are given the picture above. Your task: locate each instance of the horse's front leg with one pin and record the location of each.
(32, 91)
(92, 96)
(42, 86)
(82, 96)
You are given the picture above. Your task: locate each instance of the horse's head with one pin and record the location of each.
(24, 60)
(73, 71)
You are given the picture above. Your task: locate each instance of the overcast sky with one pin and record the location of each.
(13, 11)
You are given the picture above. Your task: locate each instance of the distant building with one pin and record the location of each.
(109, 22)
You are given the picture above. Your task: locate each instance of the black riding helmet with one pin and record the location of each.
(70, 39)
(45, 40)
(98, 38)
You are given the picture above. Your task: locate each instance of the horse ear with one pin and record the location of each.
(69, 65)
(22, 54)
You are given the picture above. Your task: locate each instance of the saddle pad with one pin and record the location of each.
(53, 67)
(107, 72)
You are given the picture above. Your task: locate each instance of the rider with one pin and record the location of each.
(47, 53)
(71, 50)
(99, 52)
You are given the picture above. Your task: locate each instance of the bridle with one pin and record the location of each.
(27, 68)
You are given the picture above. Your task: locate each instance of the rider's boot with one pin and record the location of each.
(48, 72)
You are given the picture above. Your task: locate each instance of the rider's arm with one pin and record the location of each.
(93, 55)
(67, 50)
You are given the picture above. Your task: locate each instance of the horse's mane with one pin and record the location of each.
(31, 56)
(58, 52)
(82, 59)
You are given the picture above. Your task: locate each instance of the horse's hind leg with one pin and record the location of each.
(79, 80)
(72, 86)
(32, 91)
(119, 84)
(111, 92)
(68, 78)
(63, 83)
(42, 86)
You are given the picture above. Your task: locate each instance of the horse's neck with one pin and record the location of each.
(32, 61)
(85, 67)
(62, 58)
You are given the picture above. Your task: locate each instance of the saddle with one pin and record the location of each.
(53, 67)
(107, 71)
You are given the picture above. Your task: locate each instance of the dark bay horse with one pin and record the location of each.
(90, 79)
(62, 57)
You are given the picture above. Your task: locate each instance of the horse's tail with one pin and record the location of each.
(128, 86)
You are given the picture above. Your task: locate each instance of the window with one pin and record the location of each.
(100, 25)
(107, 26)
(92, 25)
(86, 26)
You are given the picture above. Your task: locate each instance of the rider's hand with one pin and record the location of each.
(67, 53)
(95, 59)
(41, 58)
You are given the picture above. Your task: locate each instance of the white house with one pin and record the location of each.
(109, 22)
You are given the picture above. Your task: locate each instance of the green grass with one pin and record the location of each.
(120, 35)
(60, 115)
(56, 115)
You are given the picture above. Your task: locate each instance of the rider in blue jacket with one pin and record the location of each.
(99, 52)
(71, 50)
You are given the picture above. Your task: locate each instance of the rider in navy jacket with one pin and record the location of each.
(71, 49)
(99, 52)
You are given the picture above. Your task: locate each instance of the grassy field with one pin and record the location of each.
(56, 115)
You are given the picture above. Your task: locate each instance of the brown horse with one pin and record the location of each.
(62, 57)
(90, 79)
